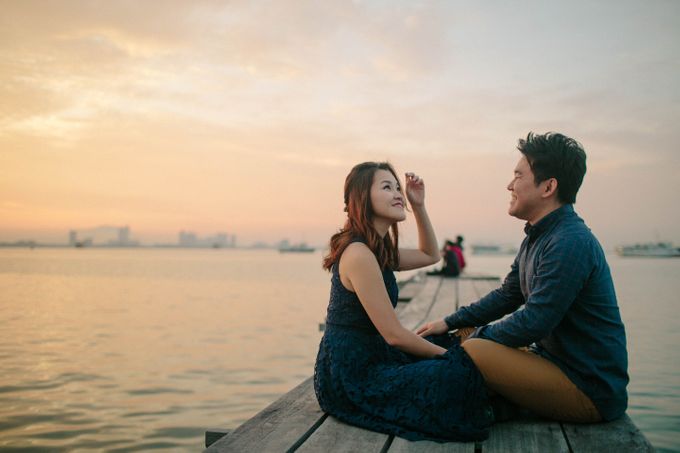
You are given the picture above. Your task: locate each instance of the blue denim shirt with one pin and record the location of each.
(560, 297)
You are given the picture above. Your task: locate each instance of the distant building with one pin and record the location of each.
(123, 239)
(72, 238)
(219, 240)
(124, 235)
(187, 239)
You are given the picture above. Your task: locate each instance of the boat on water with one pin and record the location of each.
(650, 249)
(296, 248)
(492, 249)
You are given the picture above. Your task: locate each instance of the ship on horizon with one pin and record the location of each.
(492, 249)
(301, 247)
(649, 249)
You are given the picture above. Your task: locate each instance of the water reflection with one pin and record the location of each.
(125, 350)
(144, 349)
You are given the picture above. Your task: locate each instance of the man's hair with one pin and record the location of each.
(554, 155)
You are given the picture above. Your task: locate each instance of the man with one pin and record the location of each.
(559, 296)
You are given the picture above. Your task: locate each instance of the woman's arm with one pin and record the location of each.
(427, 252)
(360, 272)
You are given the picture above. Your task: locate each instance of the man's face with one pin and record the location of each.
(525, 195)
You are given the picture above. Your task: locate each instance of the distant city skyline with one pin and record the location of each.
(245, 117)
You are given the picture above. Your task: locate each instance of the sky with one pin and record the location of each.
(244, 117)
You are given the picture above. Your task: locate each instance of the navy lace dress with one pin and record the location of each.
(363, 381)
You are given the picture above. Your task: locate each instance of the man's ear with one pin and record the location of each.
(550, 188)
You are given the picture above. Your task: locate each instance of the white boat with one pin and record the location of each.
(492, 249)
(650, 249)
(296, 248)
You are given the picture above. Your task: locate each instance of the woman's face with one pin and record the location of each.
(387, 198)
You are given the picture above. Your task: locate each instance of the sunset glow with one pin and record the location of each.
(244, 117)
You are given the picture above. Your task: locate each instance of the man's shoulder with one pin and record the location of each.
(573, 226)
(573, 237)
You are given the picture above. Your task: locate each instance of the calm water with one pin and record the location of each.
(123, 350)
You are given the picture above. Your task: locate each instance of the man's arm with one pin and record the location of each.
(563, 269)
(493, 306)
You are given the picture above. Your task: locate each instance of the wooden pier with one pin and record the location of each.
(295, 423)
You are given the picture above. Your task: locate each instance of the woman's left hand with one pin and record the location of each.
(415, 189)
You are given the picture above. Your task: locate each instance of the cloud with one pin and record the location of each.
(175, 104)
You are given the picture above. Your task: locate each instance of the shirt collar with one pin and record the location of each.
(549, 220)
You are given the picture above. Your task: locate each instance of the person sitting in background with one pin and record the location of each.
(454, 261)
(458, 250)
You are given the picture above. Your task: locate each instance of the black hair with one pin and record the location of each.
(554, 155)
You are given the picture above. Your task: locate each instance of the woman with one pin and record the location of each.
(370, 370)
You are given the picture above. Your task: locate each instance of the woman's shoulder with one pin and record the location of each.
(357, 250)
(358, 255)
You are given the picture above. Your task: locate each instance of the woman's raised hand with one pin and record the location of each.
(415, 189)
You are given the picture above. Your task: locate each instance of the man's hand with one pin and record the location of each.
(433, 328)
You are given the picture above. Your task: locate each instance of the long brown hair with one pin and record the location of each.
(359, 223)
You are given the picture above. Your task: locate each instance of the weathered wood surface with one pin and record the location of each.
(619, 435)
(400, 445)
(416, 310)
(339, 437)
(411, 288)
(526, 436)
(279, 426)
(296, 423)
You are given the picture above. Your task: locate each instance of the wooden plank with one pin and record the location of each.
(462, 294)
(466, 293)
(336, 436)
(529, 436)
(411, 289)
(484, 287)
(474, 290)
(400, 307)
(620, 435)
(400, 445)
(414, 313)
(277, 427)
(446, 298)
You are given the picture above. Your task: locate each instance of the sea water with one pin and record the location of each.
(139, 349)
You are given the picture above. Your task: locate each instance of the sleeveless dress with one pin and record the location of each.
(363, 381)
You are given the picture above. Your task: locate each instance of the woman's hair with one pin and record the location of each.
(359, 223)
